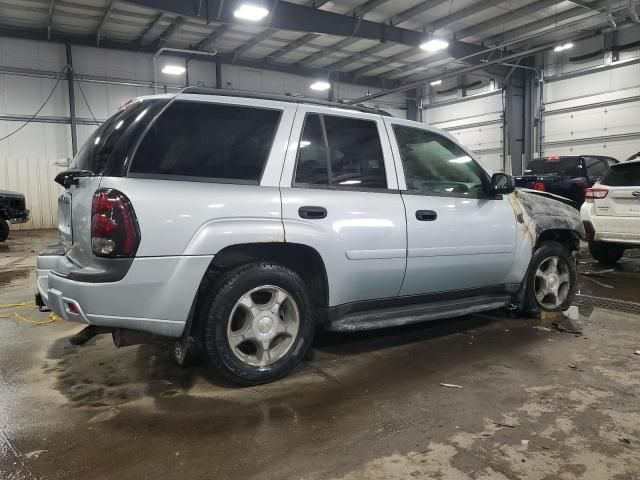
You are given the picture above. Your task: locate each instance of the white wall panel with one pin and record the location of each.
(594, 111)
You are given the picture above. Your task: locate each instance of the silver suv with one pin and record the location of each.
(237, 223)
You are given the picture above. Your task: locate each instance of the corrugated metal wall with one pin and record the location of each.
(30, 159)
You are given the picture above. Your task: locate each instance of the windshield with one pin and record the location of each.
(99, 147)
(569, 166)
(622, 175)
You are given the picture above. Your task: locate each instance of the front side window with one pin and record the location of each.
(206, 140)
(434, 165)
(340, 152)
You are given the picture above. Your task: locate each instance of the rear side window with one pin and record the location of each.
(340, 152)
(596, 166)
(622, 175)
(195, 141)
(107, 148)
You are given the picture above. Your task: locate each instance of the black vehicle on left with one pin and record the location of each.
(13, 208)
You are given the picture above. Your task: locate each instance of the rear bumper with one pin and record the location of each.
(621, 230)
(21, 218)
(155, 296)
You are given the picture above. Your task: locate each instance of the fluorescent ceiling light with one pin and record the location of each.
(460, 160)
(436, 82)
(320, 85)
(434, 45)
(566, 46)
(173, 69)
(247, 11)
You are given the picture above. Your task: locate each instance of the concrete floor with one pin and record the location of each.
(535, 403)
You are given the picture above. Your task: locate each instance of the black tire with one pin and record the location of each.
(606, 253)
(540, 255)
(4, 229)
(216, 315)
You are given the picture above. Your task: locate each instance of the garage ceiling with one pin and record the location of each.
(373, 41)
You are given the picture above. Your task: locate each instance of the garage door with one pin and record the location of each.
(595, 113)
(477, 122)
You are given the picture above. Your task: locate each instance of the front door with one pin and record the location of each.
(459, 237)
(340, 196)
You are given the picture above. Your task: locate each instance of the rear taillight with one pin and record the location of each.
(591, 194)
(114, 228)
(539, 186)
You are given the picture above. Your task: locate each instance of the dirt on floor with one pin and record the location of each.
(476, 397)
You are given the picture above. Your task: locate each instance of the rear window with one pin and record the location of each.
(622, 175)
(107, 147)
(568, 166)
(193, 141)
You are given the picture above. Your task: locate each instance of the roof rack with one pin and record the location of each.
(280, 98)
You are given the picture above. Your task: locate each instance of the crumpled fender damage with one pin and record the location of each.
(536, 214)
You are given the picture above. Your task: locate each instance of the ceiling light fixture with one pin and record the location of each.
(320, 85)
(173, 69)
(566, 46)
(436, 82)
(434, 45)
(251, 12)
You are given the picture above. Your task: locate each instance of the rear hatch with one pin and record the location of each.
(105, 153)
(622, 182)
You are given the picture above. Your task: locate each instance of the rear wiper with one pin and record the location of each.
(66, 178)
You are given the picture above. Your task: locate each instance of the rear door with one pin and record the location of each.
(340, 196)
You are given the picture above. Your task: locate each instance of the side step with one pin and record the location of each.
(407, 314)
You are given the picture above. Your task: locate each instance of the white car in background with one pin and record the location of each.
(611, 212)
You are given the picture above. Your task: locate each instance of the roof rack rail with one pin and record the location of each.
(281, 98)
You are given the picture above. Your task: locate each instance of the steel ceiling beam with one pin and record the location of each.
(500, 20)
(514, 33)
(149, 27)
(89, 40)
(103, 21)
(265, 34)
(431, 27)
(293, 17)
(52, 8)
(170, 30)
(359, 11)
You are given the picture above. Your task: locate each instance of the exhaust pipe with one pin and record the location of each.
(87, 333)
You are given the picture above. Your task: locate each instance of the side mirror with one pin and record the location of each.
(502, 183)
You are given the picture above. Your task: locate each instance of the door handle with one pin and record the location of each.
(312, 213)
(426, 215)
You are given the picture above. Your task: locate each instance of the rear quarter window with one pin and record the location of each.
(199, 141)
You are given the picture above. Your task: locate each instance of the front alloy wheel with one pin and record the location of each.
(551, 279)
(552, 282)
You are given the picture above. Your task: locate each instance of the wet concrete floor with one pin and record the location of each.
(534, 403)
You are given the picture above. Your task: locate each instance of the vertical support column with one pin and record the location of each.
(72, 100)
(218, 75)
(528, 146)
(414, 104)
(514, 120)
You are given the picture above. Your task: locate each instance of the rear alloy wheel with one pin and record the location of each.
(606, 253)
(551, 280)
(4, 229)
(258, 325)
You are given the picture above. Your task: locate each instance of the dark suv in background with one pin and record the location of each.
(13, 208)
(568, 175)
